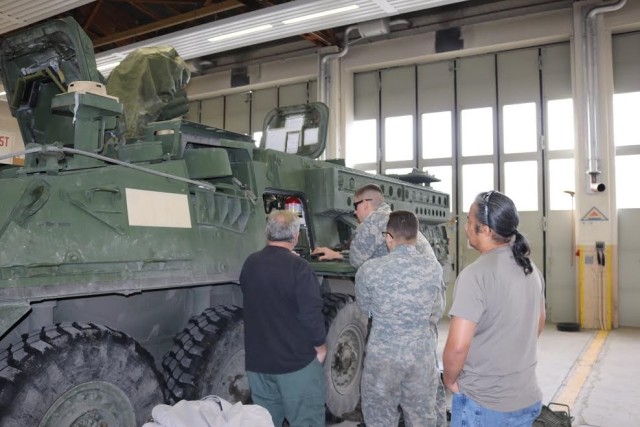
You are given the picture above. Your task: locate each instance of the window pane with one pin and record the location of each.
(477, 132)
(626, 126)
(398, 138)
(560, 124)
(475, 180)
(561, 179)
(521, 184)
(256, 138)
(444, 174)
(519, 128)
(362, 142)
(627, 178)
(436, 135)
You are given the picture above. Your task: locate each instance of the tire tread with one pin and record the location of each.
(191, 347)
(27, 367)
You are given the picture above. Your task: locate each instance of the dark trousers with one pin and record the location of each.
(297, 396)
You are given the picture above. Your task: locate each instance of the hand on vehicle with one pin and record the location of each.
(326, 254)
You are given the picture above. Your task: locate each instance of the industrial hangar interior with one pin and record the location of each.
(536, 99)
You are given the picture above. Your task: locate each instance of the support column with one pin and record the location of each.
(596, 216)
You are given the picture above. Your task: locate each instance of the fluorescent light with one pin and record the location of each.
(320, 14)
(241, 33)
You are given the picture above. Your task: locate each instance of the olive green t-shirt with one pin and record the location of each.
(494, 293)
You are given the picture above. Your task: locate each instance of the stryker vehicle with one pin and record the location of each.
(122, 243)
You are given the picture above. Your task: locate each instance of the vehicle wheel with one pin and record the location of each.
(207, 358)
(346, 337)
(76, 374)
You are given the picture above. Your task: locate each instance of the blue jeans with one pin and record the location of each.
(467, 413)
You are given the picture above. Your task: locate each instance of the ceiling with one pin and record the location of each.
(17, 14)
(214, 34)
(198, 28)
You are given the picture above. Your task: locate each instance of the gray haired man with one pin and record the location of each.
(284, 330)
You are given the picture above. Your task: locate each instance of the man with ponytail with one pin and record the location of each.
(497, 314)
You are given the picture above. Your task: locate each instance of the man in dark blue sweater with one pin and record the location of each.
(284, 330)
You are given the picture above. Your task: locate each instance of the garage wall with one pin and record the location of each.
(481, 38)
(432, 86)
(626, 104)
(540, 29)
(268, 74)
(406, 77)
(244, 111)
(480, 123)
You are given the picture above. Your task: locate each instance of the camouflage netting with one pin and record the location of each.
(150, 82)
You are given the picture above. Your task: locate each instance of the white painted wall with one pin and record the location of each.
(542, 28)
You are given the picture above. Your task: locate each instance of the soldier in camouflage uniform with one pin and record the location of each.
(368, 242)
(402, 292)
(373, 214)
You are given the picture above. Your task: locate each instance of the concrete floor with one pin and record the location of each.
(601, 388)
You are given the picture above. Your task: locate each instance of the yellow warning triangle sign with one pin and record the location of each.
(594, 214)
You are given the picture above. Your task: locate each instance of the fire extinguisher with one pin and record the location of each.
(293, 204)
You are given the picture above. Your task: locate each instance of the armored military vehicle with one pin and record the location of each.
(121, 245)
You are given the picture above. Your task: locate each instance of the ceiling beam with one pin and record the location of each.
(145, 10)
(177, 2)
(92, 15)
(169, 22)
(324, 38)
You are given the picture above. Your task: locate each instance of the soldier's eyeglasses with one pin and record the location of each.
(355, 204)
(386, 233)
(485, 199)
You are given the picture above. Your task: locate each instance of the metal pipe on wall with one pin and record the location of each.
(322, 71)
(367, 29)
(591, 92)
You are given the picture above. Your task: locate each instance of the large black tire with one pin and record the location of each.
(77, 374)
(207, 358)
(347, 329)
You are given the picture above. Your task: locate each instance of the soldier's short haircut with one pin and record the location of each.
(371, 191)
(282, 226)
(403, 224)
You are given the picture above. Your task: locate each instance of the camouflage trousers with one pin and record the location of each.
(390, 380)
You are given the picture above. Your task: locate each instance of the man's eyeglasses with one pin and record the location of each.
(386, 233)
(485, 199)
(355, 204)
